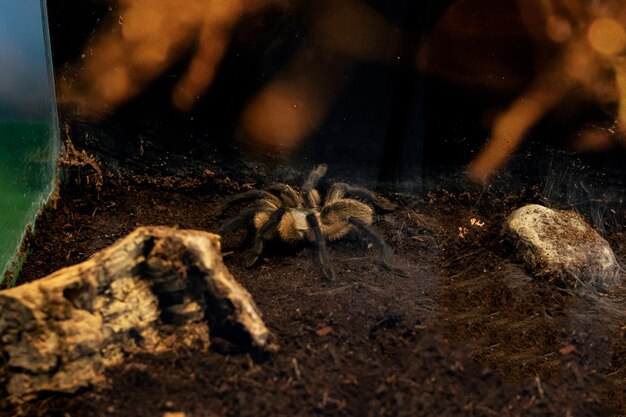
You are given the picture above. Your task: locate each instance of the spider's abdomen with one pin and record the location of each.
(334, 217)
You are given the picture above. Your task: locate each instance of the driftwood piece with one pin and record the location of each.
(153, 290)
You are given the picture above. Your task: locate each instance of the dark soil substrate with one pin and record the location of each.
(469, 332)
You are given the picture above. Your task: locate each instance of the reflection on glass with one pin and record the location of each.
(28, 124)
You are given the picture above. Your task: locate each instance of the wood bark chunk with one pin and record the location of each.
(560, 245)
(156, 289)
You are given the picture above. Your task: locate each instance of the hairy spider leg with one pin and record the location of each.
(314, 177)
(263, 234)
(340, 189)
(383, 249)
(320, 242)
(245, 197)
(244, 219)
(309, 193)
(235, 223)
(287, 195)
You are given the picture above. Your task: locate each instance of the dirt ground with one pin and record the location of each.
(467, 333)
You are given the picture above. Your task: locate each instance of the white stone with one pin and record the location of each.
(560, 245)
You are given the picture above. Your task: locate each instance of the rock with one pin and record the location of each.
(152, 291)
(560, 245)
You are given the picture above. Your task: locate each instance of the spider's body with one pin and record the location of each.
(291, 216)
(332, 218)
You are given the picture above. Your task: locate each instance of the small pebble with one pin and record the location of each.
(324, 331)
(559, 245)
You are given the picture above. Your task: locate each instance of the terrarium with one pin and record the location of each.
(333, 207)
(28, 126)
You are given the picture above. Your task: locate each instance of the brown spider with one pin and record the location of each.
(281, 212)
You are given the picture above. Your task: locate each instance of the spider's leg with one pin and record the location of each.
(383, 249)
(263, 234)
(320, 242)
(309, 195)
(245, 197)
(314, 178)
(286, 194)
(244, 218)
(362, 193)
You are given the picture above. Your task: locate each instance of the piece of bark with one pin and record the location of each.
(156, 289)
(559, 245)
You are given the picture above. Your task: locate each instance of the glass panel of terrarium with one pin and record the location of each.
(29, 139)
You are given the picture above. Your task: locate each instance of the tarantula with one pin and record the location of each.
(282, 212)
